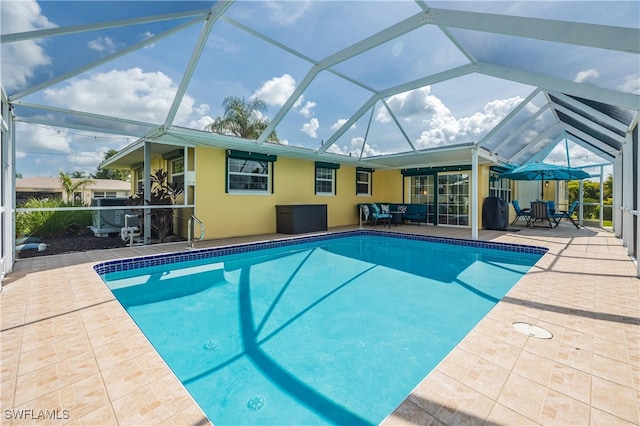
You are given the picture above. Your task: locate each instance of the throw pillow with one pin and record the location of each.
(385, 208)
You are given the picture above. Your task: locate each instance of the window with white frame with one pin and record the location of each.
(248, 175)
(139, 179)
(499, 187)
(325, 181)
(325, 178)
(177, 171)
(363, 182)
(104, 194)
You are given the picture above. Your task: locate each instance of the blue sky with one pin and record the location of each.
(141, 85)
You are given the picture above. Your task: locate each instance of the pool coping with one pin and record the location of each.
(127, 264)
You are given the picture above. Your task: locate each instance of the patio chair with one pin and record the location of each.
(380, 213)
(568, 214)
(551, 205)
(540, 213)
(521, 213)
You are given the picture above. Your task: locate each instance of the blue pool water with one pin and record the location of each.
(335, 331)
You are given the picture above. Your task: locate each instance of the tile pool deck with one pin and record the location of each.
(68, 347)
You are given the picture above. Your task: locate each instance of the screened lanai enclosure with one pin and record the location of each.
(379, 85)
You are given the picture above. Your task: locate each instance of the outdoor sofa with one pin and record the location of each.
(412, 212)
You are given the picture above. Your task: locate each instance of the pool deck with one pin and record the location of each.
(68, 347)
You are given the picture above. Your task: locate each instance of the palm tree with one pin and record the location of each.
(70, 186)
(243, 119)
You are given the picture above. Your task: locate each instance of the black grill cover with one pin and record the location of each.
(495, 213)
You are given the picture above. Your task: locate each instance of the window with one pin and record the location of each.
(139, 178)
(499, 187)
(248, 175)
(104, 194)
(177, 171)
(326, 178)
(363, 182)
(453, 198)
(421, 189)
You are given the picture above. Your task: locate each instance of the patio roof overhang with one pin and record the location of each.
(163, 141)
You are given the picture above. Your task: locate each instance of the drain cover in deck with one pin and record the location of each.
(532, 330)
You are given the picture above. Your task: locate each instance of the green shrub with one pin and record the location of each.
(46, 224)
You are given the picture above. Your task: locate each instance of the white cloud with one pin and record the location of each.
(311, 127)
(146, 35)
(631, 84)
(21, 59)
(288, 12)
(276, 91)
(444, 129)
(86, 161)
(439, 126)
(586, 75)
(412, 105)
(102, 45)
(132, 93)
(335, 126)
(354, 148)
(36, 139)
(306, 110)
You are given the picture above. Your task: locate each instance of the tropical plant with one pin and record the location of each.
(243, 119)
(163, 192)
(591, 194)
(45, 224)
(69, 185)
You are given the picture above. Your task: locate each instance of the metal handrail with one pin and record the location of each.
(191, 242)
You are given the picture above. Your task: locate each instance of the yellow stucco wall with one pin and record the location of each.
(229, 215)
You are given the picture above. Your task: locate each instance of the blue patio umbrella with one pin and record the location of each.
(545, 171)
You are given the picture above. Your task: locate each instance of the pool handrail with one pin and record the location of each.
(190, 242)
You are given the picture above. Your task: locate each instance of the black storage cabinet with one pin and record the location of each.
(300, 218)
(495, 214)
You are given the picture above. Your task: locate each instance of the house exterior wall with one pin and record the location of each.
(46, 187)
(229, 215)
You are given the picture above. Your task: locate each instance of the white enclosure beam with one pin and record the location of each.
(518, 132)
(592, 124)
(587, 91)
(591, 35)
(604, 149)
(75, 113)
(85, 127)
(106, 59)
(508, 117)
(72, 29)
(475, 202)
(216, 11)
(395, 120)
(532, 143)
(597, 115)
(412, 85)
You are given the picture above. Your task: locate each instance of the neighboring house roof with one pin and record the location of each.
(41, 183)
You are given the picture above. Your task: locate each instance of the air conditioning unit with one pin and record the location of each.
(107, 222)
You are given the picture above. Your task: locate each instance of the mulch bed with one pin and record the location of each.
(72, 243)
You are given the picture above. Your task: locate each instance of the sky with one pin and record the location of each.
(141, 85)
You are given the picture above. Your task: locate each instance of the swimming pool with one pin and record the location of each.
(334, 329)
